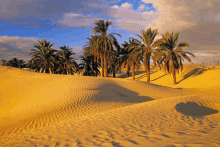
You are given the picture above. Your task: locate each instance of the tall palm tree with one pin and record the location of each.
(3, 62)
(43, 57)
(132, 56)
(106, 40)
(66, 64)
(144, 46)
(113, 60)
(170, 53)
(124, 61)
(93, 48)
(138, 65)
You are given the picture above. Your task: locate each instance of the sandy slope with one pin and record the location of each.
(64, 110)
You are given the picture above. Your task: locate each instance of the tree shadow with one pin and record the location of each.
(159, 77)
(123, 76)
(144, 75)
(138, 73)
(130, 74)
(141, 76)
(193, 109)
(192, 73)
(113, 92)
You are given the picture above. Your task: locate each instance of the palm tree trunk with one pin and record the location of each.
(136, 69)
(174, 76)
(127, 70)
(105, 64)
(96, 74)
(147, 67)
(96, 66)
(114, 73)
(102, 65)
(133, 71)
(113, 70)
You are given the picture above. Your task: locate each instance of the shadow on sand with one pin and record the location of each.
(159, 77)
(144, 75)
(192, 73)
(193, 109)
(113, 92)
(130, 74)
(141, 73)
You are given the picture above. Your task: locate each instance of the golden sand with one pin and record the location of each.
(40, 109)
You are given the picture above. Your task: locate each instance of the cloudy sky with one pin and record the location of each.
(69, 22)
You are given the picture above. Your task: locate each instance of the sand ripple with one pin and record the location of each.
(57, 110)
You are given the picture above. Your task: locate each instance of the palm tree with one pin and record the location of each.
(43, 57)
(21, 63)
(123, 60)
(106, 41)
(144, 46)
(93, 49)
(66, 64)
(137, 66)
(14, 62)
(87, 66)
(3, 62)
(132, 56)
(170, 53)
(113, 60)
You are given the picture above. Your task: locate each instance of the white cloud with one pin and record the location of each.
(25, 12)
(141, 7)
(159, 4)
(148, 13)
(129, 19)
(184, 13)
(131, 25)
(126, 5)
(197, 20)
(72, 14)
(115, 6)
(198, 24)
(70, 21)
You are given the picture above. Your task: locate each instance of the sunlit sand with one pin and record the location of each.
(40, 109)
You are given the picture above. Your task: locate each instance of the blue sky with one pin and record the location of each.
(71, 36)
(69, 22)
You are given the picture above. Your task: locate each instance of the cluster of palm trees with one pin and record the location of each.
(45, 59)
(103, 50)
(48, 60)
(164, 52)
(14, 62)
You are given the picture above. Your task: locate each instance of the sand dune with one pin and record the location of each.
(64, 110)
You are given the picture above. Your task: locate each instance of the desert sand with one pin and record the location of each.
(47, 110)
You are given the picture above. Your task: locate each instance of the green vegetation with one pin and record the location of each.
(145, 48)
(171, 54)
(103, 50)
(106, 42)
